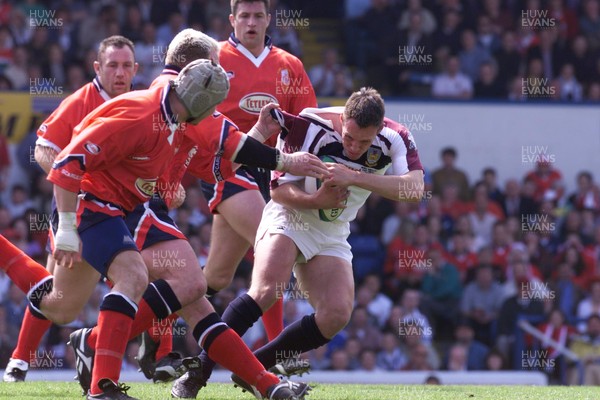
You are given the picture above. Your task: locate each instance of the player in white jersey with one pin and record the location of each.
(299, 230)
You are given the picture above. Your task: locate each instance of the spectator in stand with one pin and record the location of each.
(587, 348)
(590, 305)
(548, 51)
(442, 291)
(363, 328)
(472, 55)
(133, 25)
(391, 224)
(318, 359)
(593, 93)
(567, 294)
(148, 53)
(390, 357)
(457, 358)
(54, 67)
(520, 303)
(487, 85)
(587, 195)
(448, 35)
(514, 203)
(487, 36)
(516, 89)
(96, 26)
(555, 328)
(285, 37)
(75, 78)
(339, 361)
(379, 304)
(481, 303)
(452, 83)
(14, 304)
(565, 18)
(495, 361)
(19, 201)
(501, 244)
(5, 339)
(589, 22)
(322, 76)
(369, 219)
(572, 254)
(490, 180)
(417, 359)
(368, 361)
(16, 70)
(460, 255)
(175, 24)
(568, 86)
(508, 59)
(484, 215)
(411, 315)
(500, 18)
(353, 348)
(448, 173)
(476, 351)
(415, 7)
(544, 178)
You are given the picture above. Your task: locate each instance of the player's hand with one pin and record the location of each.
(178, 198)
(67, 245)
(266, 124)
(341, 175)
(331, 196)
(302, 163)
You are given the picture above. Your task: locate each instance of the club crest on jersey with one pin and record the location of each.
(230, 75)
(253, 102)
(411, 141)
(145, 186)
(285, 77)
(373, 155)
(91, 148)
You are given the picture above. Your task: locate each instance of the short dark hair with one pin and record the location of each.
(450, 151)
(236, 3)
(117, 41)
(366, 107)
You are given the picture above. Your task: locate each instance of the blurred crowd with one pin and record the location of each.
(447, 49)
(459, 266)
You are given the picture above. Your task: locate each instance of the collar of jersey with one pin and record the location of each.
(165, 107)
(171, 69)
(235, 42)
(100, 89)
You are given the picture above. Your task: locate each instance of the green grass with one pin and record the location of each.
(216, 391)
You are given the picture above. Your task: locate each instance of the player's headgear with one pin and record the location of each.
(200, 86)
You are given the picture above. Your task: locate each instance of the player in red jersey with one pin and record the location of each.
(259, 73)
(115, 175)
(115, 69)
(207, 148)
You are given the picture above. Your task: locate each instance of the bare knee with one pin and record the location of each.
(264, 295)
(219, 281)
(333, 317)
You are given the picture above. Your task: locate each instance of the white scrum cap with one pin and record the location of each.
(200, 86)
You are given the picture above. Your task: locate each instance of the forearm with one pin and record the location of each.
(45, 157)
(292, 196)
(255, 154)
(66, 201)
(407, 187)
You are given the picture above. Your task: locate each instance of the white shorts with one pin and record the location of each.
(312, 236)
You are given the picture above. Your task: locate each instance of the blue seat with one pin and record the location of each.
(368, 255)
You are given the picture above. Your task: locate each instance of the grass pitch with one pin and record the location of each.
(219, 391)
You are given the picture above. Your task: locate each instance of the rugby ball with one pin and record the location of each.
(311, 185)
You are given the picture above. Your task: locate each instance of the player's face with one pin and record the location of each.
(250, 24)
(356, 140)
(116, 69)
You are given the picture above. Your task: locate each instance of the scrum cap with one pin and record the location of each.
(200, 86)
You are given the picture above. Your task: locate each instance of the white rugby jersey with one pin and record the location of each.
(393, 149)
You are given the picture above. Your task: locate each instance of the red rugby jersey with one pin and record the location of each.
(274, 76)
(56, 131)
(121, 148)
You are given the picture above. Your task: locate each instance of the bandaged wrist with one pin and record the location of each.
(255, 133)
(67, 220)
